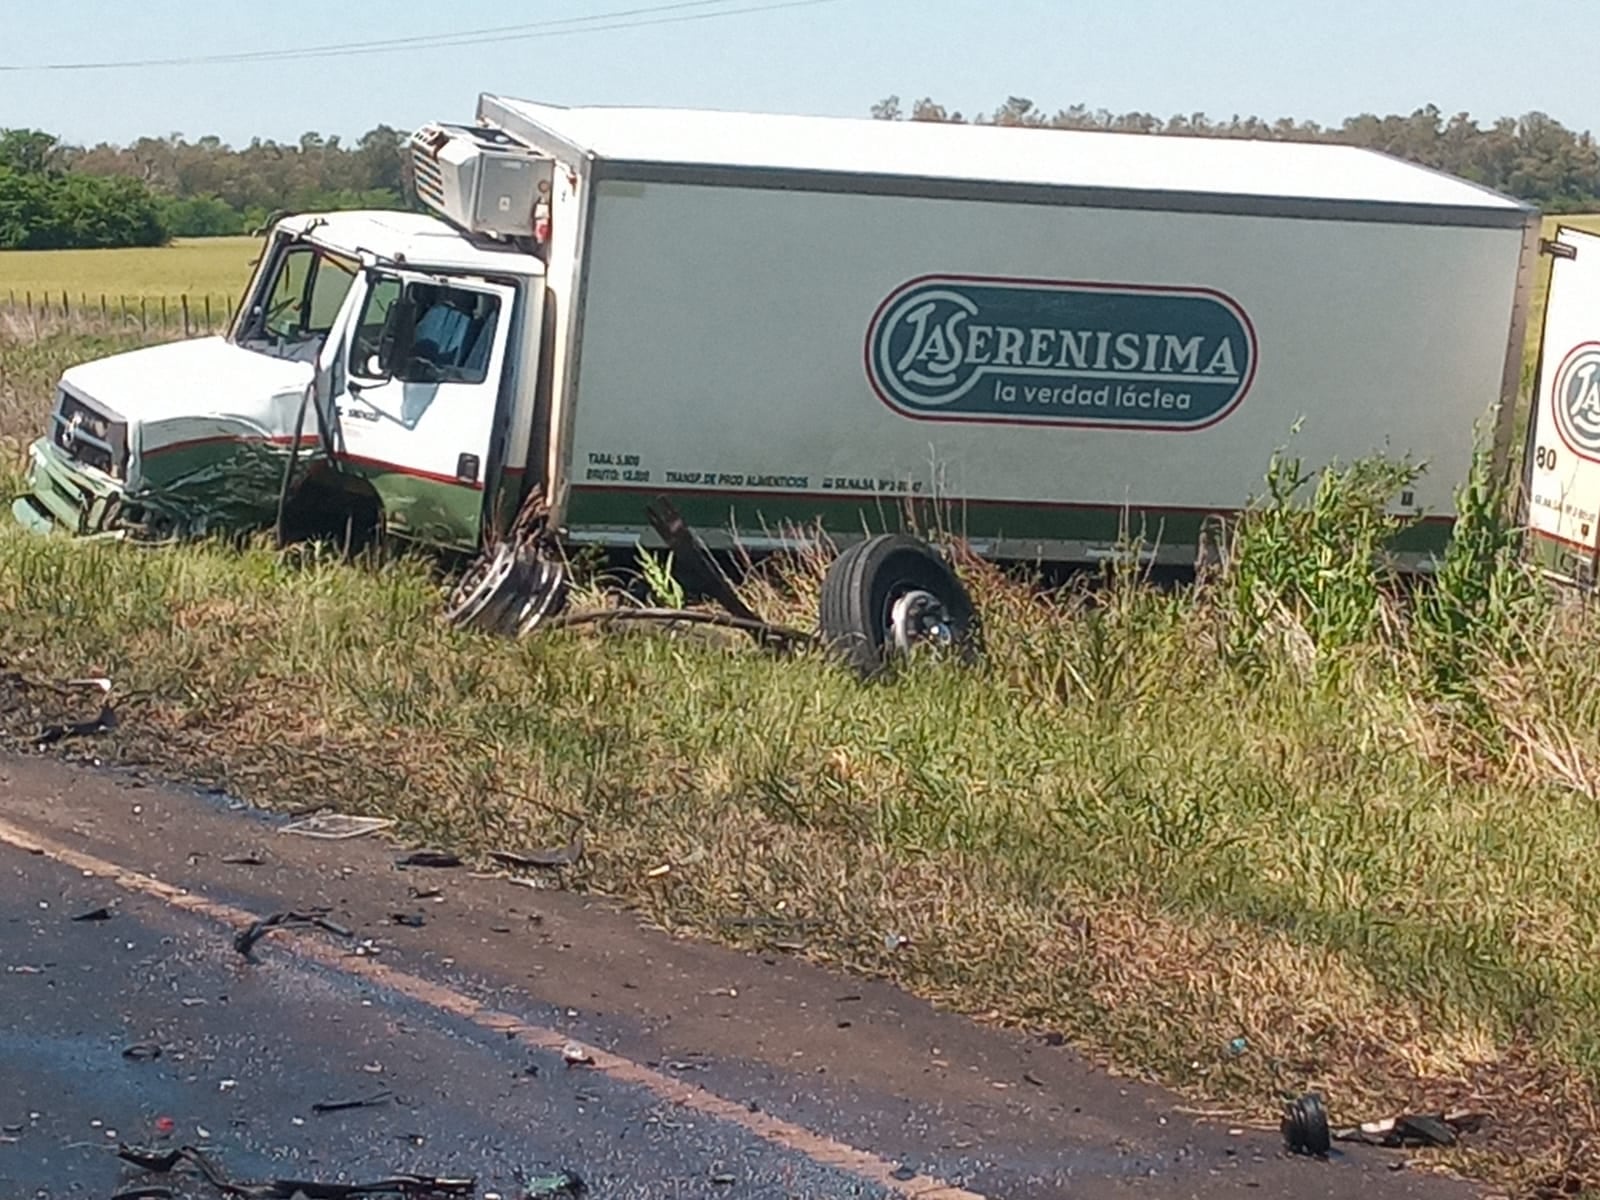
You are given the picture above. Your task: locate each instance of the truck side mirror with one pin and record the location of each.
(399, 332)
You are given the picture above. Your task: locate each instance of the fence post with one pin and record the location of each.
(163, 312)
(208, 312)
(105, 315)
(144, 315)
(66, 312)
(184, 299)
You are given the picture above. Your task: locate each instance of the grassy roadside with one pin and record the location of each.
(194, 266)
(1281, 806)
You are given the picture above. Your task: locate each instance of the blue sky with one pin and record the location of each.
(1269, 57)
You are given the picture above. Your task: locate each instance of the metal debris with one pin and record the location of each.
(142, 1052)
(554, 1185)
(150, 1160)
(442, 859)
(245, 939)
(680, 616)
(560, 856)
(1413, 1130)
(692, 558)
(103, 913)
(245, 860)
(409, 920)
(295, 1189)
(336, 826)
(372, 1101)
(104, 722)
(397, 1185)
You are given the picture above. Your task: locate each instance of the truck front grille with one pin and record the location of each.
(89, 435)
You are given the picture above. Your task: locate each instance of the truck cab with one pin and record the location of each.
(379, 373)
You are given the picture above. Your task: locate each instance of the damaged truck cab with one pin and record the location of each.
(367, 383)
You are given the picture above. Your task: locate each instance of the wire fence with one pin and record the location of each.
(30, 316)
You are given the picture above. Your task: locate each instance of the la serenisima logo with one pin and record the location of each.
(964, 348)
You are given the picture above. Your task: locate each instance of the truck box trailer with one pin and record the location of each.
(1561, 463)
(1048, 341)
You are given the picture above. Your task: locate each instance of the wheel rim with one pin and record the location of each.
(917, 617)
(480, 587)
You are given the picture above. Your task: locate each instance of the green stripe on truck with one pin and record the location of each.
(754, 513)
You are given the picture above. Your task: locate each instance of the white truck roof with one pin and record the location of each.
(892, 155)
(419, 236)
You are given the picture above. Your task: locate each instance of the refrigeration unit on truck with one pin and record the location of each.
(1052, 341)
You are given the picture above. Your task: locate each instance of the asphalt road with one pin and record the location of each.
(711, 1073)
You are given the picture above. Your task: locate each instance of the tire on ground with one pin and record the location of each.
(862, 586)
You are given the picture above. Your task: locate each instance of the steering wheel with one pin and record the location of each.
(273, 313)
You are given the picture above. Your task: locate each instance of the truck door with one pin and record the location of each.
(1562, 471)
(419, 403)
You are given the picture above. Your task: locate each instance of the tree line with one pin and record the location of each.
(1533, 157)
(56, 195)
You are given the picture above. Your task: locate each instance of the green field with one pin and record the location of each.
(197, 267)
(1381, 867)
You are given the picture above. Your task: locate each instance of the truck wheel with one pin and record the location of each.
(508, 592)
(888, 594)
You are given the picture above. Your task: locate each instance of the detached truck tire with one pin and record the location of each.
(886, 594)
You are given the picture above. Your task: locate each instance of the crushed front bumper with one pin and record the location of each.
(66, 495)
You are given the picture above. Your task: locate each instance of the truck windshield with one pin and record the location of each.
(295, 307)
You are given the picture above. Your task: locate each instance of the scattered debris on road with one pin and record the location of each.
(1306, 1129)
(250, 859)
(103, 722)
(245, 940)
(160, 1161)
(1305, 1126)
(103, 913)
(575, 1055)
(409, 920)
(554, 1186)
(372, 1101)
(142, 1052)
(336, 826)
(1414, 1130)
(441, 859)
(165, 1162)
(547, 860)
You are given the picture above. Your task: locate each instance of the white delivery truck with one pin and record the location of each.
(786, 324)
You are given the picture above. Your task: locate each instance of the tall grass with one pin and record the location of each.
(1291, 801)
